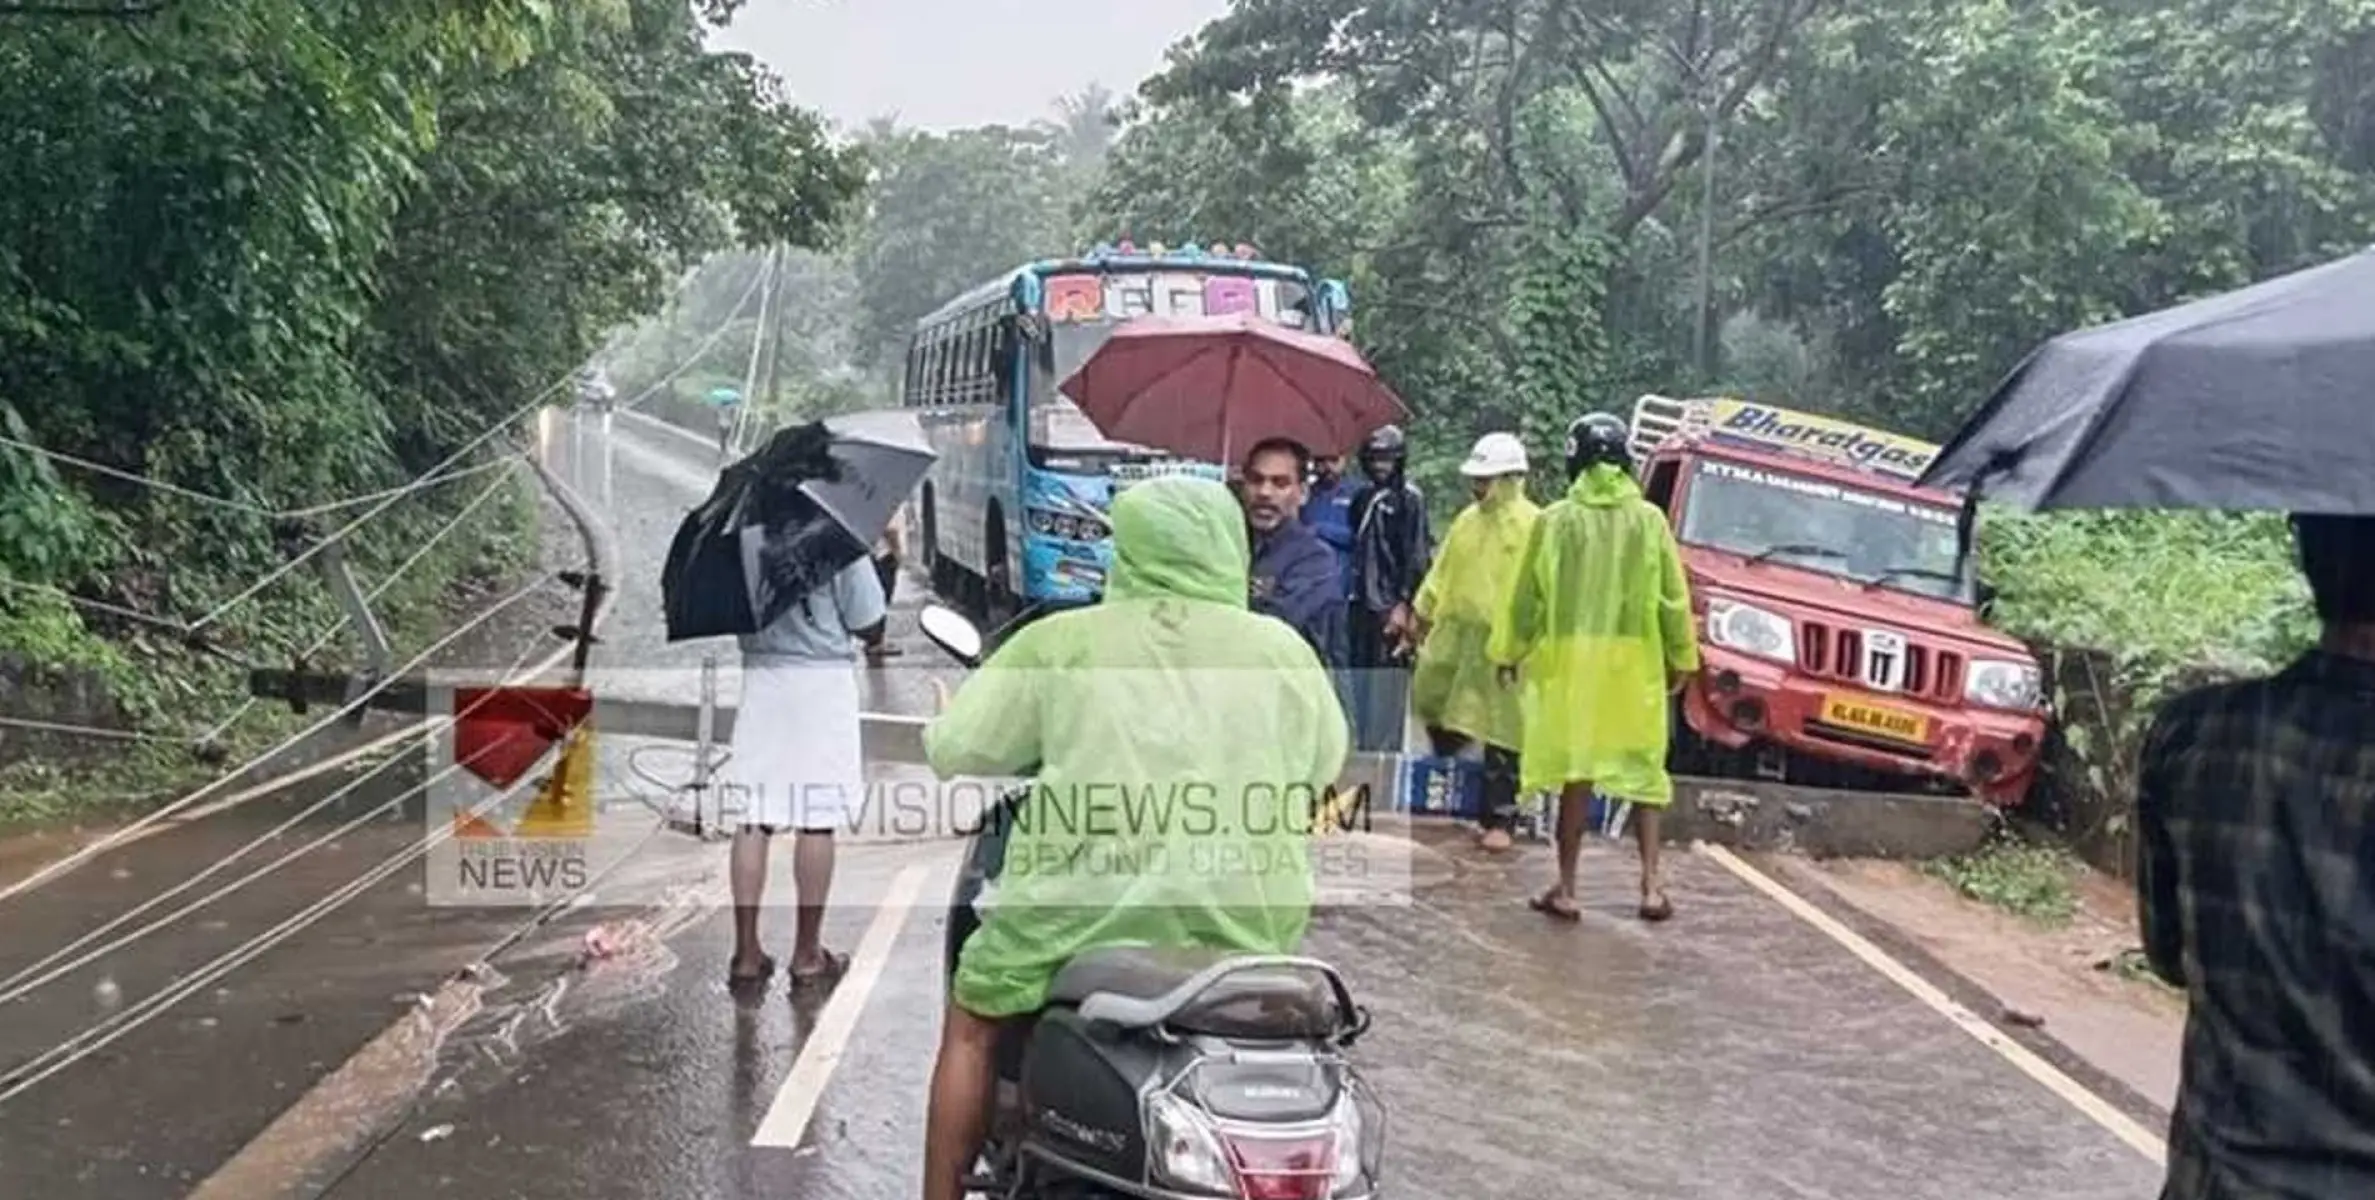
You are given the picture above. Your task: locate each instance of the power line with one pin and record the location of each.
(140, 826)
(48, 968)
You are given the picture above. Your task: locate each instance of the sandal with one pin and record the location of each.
(740, 983)
(835, 964)
(1549, 907)
(1662, 910)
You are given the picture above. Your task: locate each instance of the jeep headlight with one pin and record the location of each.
(1752, 630)
(1999, 684)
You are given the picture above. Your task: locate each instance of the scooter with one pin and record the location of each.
(1162, 1073)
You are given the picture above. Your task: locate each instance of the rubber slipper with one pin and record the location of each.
(765, 972)
(1663, 910)
(1542, 904)
(835, 964)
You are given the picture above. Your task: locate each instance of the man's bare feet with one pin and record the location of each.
(1496, 840)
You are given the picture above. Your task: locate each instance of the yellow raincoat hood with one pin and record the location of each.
(1598, 618)
(1453, 685)
(1180, 743)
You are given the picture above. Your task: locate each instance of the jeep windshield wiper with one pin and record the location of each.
(1917, 572)
(1801, 548)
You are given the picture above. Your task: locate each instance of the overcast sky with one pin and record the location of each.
(942, 64)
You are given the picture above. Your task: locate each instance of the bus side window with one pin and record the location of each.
(1009, 337)
(1661, 483)
(980, 383)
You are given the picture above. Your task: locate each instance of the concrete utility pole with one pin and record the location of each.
(1702, 329)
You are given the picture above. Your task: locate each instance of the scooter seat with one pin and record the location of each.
(1255, 1003)
(1137, 972)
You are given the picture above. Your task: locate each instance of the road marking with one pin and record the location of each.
(786, 1121)
(2101, 1111)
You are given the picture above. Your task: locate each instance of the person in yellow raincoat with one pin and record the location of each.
(1454, 689)
(1599, 625)
(1180, 745)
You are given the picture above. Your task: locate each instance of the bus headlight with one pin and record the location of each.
(1999, 684)
(1071, 526)
(1751, 630)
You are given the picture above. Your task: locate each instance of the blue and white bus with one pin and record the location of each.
(1013, 513)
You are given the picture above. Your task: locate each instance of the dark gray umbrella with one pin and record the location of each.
(783, 521)
(2257, 399)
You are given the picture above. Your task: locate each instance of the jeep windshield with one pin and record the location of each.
(1834, 529)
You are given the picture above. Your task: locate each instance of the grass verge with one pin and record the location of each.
(172, 695)
(2030, 880)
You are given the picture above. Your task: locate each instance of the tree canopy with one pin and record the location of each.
(283, 250)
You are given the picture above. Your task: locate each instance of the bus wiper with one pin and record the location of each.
(1804, 548)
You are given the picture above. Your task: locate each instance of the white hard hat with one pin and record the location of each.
(1495, 454)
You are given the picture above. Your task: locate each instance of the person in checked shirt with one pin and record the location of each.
(2256, 806)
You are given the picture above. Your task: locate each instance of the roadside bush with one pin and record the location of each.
(2125, 610)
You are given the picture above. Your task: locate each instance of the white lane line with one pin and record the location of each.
(2101, 1111)
(786, 1121)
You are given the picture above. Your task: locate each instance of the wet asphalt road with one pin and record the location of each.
(176, 1093)
(1735, 1052)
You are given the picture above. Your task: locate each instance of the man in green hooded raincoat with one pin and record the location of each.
(1453, 688)
(1180, 743)
(1599, 619)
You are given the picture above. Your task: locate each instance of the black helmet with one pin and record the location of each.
(1387, 442)
(1597, 438)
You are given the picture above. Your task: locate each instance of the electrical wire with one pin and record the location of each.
(140, 826)
(424, 483)
(330, 634)
(699, 352)
(242, 506)
(60, 866)
(92, 731)
(42, 1066)
(129, 614)
(42, 971)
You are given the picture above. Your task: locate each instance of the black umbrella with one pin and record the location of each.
(2259, 399)
(785, 520)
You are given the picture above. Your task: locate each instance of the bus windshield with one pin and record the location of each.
(1870, 537)
(1056, 422)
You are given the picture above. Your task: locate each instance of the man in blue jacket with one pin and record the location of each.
(1295, 576)
(1327, 510)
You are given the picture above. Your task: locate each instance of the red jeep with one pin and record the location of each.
(1842, 641)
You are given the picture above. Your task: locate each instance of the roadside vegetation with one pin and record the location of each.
(273, 253)
(2030, 880)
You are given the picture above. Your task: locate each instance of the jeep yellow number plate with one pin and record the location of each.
(1880, 720)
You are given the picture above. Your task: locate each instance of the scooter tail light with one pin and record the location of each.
(1270, 1168)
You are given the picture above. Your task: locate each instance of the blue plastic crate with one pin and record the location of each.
(1434, 786)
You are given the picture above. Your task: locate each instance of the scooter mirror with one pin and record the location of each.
(949, 630)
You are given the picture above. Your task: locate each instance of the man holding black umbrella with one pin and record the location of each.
(798, 760)
(778, 556)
